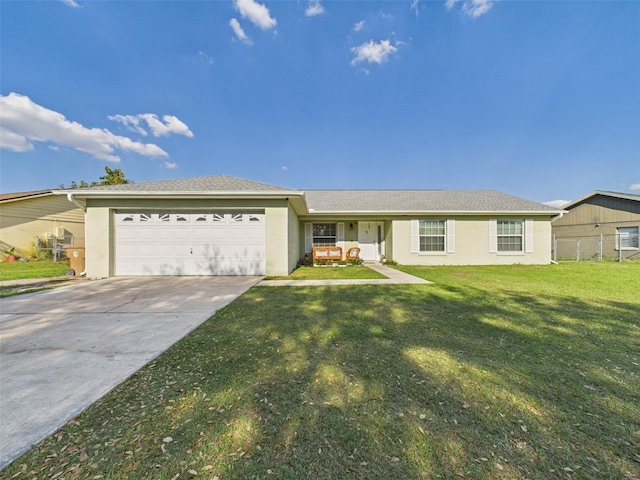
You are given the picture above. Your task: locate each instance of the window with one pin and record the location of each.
(510, 235)
(432, 235)
(627, 238)
(324, 234)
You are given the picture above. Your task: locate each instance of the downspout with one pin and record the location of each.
(84, 209)
(75, 202)
(559, 216)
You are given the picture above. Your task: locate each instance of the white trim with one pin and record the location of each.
(308, 237)
(340, 235)
(451, 235)
(493, 235)
(415, 236)
(528, 235)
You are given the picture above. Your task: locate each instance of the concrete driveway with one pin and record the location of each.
(62, 349)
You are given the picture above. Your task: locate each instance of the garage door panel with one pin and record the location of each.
(202, 235)
(197, 243)
(246, 233)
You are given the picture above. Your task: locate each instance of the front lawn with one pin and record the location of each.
(331, 273)
(490, 373)
(32, 269)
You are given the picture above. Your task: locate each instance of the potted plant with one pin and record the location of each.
(10, 255)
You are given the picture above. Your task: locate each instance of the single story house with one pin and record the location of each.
(222, 225)
(605, 223)
(42, 217)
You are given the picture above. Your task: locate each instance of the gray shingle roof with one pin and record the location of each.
(334, 201)
(216, 183)
(338, 201)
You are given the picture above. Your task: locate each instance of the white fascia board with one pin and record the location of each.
(28, 197)
(433, 212)
(178, 194)
(296, 198)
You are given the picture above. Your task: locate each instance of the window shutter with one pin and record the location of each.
(493, 236)
(451, 236)
(308, 237)
(528, 235)
(415, 236)
(340, 234)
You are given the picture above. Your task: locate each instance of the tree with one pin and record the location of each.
(113, 176)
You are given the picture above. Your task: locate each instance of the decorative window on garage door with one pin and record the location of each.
(190, 217)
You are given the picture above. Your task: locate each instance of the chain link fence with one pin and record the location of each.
(616, 247)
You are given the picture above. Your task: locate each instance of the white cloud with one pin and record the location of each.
(24, 122)
(159, 128)
(557, 203)
(171, 125)
(449, 4)
(256, 13)
(170, 165)
(14, 142)
(475, 8)
(132, 122)
(634, 187)
(414, 6)
(284, 167)
(372, 52)
(70, 3)
(359, 26)
(314, 8)
(471, 8)
(237, 29)
(204, 58)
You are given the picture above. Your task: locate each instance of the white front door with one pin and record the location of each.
(370, 240)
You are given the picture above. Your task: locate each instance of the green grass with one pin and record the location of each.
(490, 373)
(331, 273)
(33, 269)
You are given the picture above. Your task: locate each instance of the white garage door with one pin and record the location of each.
(189, 243)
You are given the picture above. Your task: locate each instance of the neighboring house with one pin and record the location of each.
(41, 215)
(222, 225)
(608, 221)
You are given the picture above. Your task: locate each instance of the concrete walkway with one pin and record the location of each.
(394, 277)
(63, 349)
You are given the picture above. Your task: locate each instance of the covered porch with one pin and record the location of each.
(371, 236)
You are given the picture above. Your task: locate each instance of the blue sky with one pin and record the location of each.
(539, 99)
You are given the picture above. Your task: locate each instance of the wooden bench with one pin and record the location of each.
(327, 253)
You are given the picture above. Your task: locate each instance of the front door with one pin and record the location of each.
(370, 240)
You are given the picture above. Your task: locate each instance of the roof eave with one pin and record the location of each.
(178, 194)
(599, 192)
(27, 197)
(435, 212)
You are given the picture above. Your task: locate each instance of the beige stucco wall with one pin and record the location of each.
(22, 220)
(472, 244)
(277, 240)
(294, 239)
(100, 251)
(98, 246)
(472, 241)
